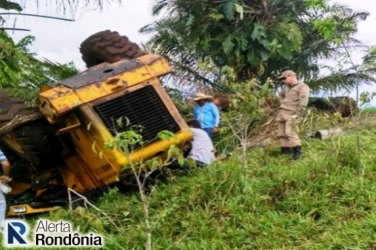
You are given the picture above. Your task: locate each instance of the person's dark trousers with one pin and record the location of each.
(296, 152)
(285, 150)
(209, 131)
(200, 164)
(186, 167)
(175, 165)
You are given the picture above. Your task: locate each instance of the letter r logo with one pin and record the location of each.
(16, 233)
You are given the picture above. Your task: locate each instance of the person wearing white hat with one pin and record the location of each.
(206, 113)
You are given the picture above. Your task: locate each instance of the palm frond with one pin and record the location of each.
(341, 81)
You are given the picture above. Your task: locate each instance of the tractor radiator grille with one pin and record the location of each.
(141, 111)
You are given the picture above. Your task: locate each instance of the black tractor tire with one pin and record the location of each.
(27, 133)
(108, 46)
(344, 105)
(41, 146)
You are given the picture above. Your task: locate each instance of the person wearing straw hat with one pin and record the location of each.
(293, 101)
(206, 113)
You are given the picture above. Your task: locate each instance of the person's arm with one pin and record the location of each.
(215, 112)
(303, 99)
(281, 94)
(6, 171)
(6, 167)
(195, 113)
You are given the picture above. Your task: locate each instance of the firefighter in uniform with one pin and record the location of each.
(293, 101)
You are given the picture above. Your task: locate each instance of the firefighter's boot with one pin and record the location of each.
(285, 150)
(296, 152)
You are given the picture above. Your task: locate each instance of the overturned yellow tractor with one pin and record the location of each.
(61, 144)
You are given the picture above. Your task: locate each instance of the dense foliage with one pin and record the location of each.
(22, 73)
(255, 38)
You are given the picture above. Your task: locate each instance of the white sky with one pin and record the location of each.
(366, 35)
(366, 28)
(59, 41)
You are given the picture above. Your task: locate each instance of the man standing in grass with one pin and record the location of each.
(293, 101)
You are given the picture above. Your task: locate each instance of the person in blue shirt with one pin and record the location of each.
(4, 179)
(206, 113)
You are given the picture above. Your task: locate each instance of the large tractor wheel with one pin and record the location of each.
(27, 133)
(39, 143)
(108, 46)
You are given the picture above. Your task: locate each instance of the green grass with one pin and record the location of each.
(326, 200)
(369, 110)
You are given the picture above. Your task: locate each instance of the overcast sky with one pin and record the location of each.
(59, 41)
(366, 28)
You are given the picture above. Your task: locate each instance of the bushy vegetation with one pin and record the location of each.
(259, 39)
(326, 200)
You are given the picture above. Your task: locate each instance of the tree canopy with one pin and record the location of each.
(255, 38)
(20, 71)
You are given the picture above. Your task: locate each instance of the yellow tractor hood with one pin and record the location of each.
(99, 81)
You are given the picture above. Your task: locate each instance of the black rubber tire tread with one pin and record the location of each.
(108, 46)
(35, 137)
(40, 144)
(121, 43)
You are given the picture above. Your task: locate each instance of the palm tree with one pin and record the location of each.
(22, 73)
(253, 38)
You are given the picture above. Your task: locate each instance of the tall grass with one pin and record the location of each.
(322, 201)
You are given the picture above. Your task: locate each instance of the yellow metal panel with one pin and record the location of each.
(114, 84)
(27, 209)
(105, 163)
(153, 149)
(120, 160)
(152, 58)
(90, 92)
(90, 152)
(90, 141)
(159, 68)
(94, 165)
(58, 100)
(75, 175)
(62, 99)
(136, 76)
